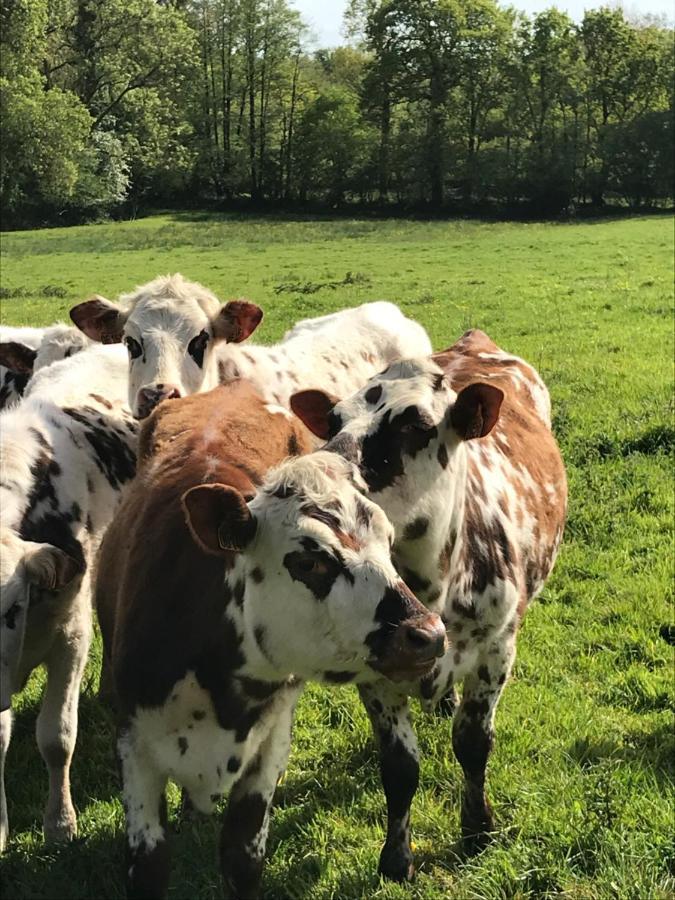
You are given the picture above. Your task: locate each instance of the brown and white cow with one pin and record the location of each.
(216, 602)
(181, 341)
(457, 450)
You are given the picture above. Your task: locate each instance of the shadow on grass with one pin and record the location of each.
(653, 751)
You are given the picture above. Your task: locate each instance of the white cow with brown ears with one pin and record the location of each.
(182, 341)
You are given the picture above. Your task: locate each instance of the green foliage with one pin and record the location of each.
(435, 103)
(582, 772)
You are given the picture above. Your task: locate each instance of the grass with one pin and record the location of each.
(582, 773)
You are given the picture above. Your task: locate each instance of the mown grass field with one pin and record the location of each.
(582, 774)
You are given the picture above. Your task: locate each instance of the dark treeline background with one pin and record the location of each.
(109, 105)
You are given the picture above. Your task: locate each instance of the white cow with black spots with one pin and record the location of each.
(457, 449)
(25, 351)
(181, 340)
(66, 454)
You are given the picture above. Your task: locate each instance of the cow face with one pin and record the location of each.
(169, 328)
(318, 593)
(26, 569)
(404, 420)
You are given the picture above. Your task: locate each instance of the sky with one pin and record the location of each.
(325, 16)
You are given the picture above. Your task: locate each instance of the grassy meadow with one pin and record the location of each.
(582, 773)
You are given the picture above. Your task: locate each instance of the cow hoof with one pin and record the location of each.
(396, 864)
(61, 828)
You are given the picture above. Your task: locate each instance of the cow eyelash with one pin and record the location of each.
(308, 564)
(133, 347)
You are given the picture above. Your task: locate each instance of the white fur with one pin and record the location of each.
(42, 444)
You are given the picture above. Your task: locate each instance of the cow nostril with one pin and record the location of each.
(173, 394)
(418, 638)
(427, 640)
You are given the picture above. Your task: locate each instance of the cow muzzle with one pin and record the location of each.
(412, 649)
(149, 397)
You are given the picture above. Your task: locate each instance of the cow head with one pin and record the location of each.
(169, 327)
(28, 572)
(319, 594)
(404, 420)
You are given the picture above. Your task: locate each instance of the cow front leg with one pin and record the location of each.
(399, 770)
(473, 737)
(56, 729)
(245, 825)
(145, 807)
(5, 735)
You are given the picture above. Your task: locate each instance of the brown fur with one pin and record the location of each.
(223, 436)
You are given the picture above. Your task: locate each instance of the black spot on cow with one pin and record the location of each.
(338, 677)
(198, 714)
(416, 529)
(257, 575)
(238, 592)
(442, 455)
(321, 515)
(363, 514)
(405, 434)
(438, 382)
(257, 689)
(414, 580)
(113, 457)
(293, 449)
(215, 798)
(373, 394)
(259, 635)
(233, 764)
(182, 745)
(484, 674)
(334, 423)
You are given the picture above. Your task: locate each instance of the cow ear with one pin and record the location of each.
(236, 321)
(218, 518)
(100, 320)
(50, 568)
(17, 357)
(476, 410)
(313, 408)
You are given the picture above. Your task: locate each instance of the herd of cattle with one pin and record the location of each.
(342, 506)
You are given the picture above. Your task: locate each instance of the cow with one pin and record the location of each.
(66, 454)
(181, 341)
(12, 383)
(220, 589)
(26, 351)
(457, 449)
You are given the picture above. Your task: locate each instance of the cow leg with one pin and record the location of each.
(57, 729)
(399, 769)
(473, 736)
(145, 806)
(5, 735)
(245, 825)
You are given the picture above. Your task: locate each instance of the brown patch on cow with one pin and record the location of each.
(348, 541)
(106, 403)
(177, 591)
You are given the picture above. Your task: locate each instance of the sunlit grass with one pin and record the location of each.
(582, 773)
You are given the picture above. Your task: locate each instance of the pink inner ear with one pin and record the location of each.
(313, 408)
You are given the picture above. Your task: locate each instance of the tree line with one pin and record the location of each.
(432, 104)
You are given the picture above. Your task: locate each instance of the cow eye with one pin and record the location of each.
(133, 347)
(197, 347)
(310, 565)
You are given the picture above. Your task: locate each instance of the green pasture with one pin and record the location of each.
(582, 773)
